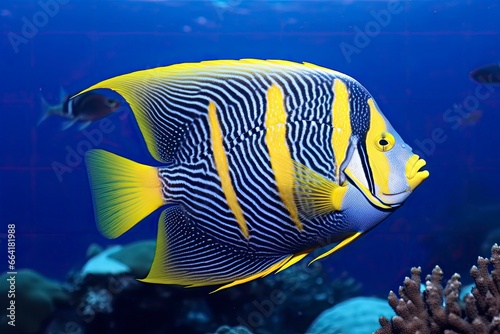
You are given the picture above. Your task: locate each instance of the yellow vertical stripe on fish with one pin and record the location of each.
(281, 160)
(222, 167)
(341, 124)
(379, 162)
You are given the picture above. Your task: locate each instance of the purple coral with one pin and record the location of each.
(440, 310)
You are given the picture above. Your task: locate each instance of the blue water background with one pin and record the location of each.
(416, 68)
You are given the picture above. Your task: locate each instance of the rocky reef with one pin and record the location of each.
(28, 301)
(104, 296)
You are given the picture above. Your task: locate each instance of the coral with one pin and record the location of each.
(102, 264)
(106, 297)
(134, 258)
(120, 304)
(440, 310)
(309, 288)
(96, 301)
(36, 299)
(138, 256)
(283, 303)
(93, 250)
(355, 316)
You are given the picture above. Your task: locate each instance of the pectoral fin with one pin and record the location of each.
(315, 195)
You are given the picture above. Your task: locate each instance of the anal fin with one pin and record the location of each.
(260, 274)
(340, 245)
(186, 255)
(294, 259)
(279, 266)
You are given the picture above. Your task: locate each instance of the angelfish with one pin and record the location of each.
(262, 161)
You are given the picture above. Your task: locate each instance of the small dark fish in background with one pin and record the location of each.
(489, 74)
(83, 109)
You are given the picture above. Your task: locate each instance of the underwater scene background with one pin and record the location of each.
(414, 57)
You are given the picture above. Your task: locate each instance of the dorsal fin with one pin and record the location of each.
(136, 90)
(166, 100)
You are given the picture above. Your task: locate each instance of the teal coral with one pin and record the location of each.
(36, 299)
(138, 256)
(355, 316)
(135, 259)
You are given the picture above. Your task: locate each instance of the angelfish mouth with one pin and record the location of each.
(414, 174)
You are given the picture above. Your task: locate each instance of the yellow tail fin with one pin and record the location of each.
(124, 191)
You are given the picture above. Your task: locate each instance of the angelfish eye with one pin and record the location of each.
(385, 142)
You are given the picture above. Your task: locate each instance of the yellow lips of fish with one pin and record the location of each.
(413, 173)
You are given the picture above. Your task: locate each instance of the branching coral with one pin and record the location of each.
(440, 310)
